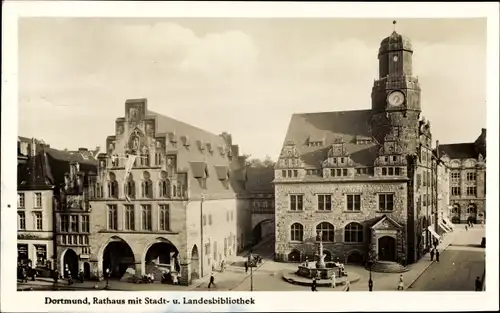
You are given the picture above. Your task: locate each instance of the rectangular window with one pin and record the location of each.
(65, 223)
(471, 191)
(209, 219)
(384, 171)
(471, 176)
(332, 172)
(157, 158)
(424, 180)
(455, 175)
(386, 202)
(112, 217)
(38, 199)
(85, 224)
(390, 171)
(21, 220)
(353, 202)
(129, 217)
(429, 181)
(424, 200)
(455, 191)
(324, 202)
(164, 217)
(283, 173)
(296, 202)
(146, 217)
(397, 171)
(289, 173)
(38, 220)
(339, 172)
(21, 200)
(295, 173)
(344, 172)
(74, 223)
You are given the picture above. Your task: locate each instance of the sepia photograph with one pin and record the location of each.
(249, 154)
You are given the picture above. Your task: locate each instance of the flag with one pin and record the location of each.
(129, 164)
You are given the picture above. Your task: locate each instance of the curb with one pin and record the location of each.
(425, 268)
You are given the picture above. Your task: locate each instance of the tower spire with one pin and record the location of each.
(394, 25)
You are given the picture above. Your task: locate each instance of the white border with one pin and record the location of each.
(33, 301)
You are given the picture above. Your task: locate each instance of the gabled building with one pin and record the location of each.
(466, 163)
(362, 180)
(35, 232)
(166, 196)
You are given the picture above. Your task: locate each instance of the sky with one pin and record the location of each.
(245, 76)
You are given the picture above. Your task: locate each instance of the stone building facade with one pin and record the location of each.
(466, 163)
(360, 179)
(178, 206)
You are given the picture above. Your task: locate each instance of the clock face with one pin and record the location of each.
(396, 98)
(395, 58)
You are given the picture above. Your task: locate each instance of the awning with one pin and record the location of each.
(434, 234)
(448, 223)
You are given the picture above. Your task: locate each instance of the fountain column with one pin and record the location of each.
(321, 260)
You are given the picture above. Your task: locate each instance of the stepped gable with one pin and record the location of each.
(330, 127)
(59, 161)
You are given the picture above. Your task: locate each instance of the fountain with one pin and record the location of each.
(319, 269)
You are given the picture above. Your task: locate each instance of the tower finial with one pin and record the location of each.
(394, 23)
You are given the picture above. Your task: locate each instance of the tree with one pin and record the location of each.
(259, 163)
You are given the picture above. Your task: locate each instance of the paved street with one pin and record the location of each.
(459, 265)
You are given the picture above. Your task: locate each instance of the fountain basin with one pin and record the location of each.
(295, 279)
(311, 271)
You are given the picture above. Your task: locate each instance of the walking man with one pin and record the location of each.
(437, 256)
(313, 286)
(334, 280)
(401, 284)
(479, 285)
(246, 267)
(466, 228)
(432, 255)
(212, 281)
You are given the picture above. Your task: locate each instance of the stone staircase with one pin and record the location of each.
(388, 267)
(156, 269)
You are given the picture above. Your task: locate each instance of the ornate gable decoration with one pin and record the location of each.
(338, 150)
(386, 223)
(289, 157)
(136, 140)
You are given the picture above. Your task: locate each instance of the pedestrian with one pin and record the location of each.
(437, 256)
(175, 281)
(81, 276)
(348, 285)
(246, 267)
(334, 280)
(370, 285)
(432, 255)
(55, 276)
(401, 283)
(70, 279)
(479, 284)
(466, 228)
(314, 285)
(212, 281)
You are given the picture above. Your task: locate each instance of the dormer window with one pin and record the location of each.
(342, 160)
(201, 146)
(209, 147)
(185, 141)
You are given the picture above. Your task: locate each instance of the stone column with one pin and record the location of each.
(185, 274)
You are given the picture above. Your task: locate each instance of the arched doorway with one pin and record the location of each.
(294, 256)
(355, 257)
(195, 263)
(387, 249)
(70, 262)
(472, 213)
(262, 230)
(455, 214)
(117, 257)
(160, 256)
(86, 270)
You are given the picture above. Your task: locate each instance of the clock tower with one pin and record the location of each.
(396, 96)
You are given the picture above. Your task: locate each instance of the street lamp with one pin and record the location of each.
(251, 268)
(371, 260)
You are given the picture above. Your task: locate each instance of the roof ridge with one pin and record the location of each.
(149, 112)
(322, 112)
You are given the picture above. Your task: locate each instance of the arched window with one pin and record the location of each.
(147, 186)
(456, 209)
(112, 186)
(297, 232)
(164, 185)
(326, 231)
(471, 209)
(130, 186)
(353, 232)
